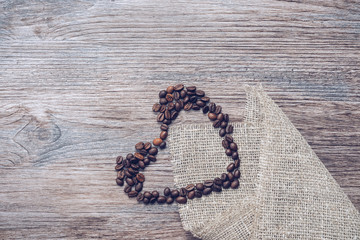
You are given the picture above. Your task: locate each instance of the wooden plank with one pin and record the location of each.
(78, 80)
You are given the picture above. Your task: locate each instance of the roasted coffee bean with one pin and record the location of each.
(127, 189)
(220, 117)
(170, 106)
(169, 97)
(205, 99)
(230, 167)
(160, 117)
(226, 184)
(226, 117)
(127, 173)
(193, 99)
(162, 145)
(127, 163)
(212, 116)
(229, 138)
(156, 107)
(163, 135)
(170, 89)
(216, 188)
(237, 173)
(134, 166)
(141, 164)
(223, 124)
(152, 200)
(147, 146)
(191, 88)
(223, 177)
(133, 194)
(205, 109)
(120, 174)
(233, 146)
(163, 101)
(146, 200)
(191, 93)
(129, 181)
(162, 94)
(162, 108)
(178, 106)
(161, 199)
(167, 191)
(195, 107)
(235, 155)
(119, 182)
(222, 132)
(198, 194)
(169, 200)
(183, 93)
(167, 114)
(147, 194)
(146, 161)
(218, 109)
(119, 160)
(174, 193)
(181, 102)
(208, 183)
(176, 95)
(225, 144)
(234, 184)
(179, 87)
(229, 129)
(237, 163)
(212, 107)
(230, 176)
(207, 190)
(139, 156)
(157, 141)
(132, 171)
(191, 194)
(186, 100)
(153, 151)
(129, 156)
(216, 123)
(228, 152)
(167, 121)
(140, 197)
(182, 192)
(139, 186)
(164, 127)
(200, 93)
(181, 200)
(218, 181)
(200, 186)
(143, 152)
(155, 194)
(140, 177)
(152, 158)
(174, 115)
(190, 187)
(188, 106)
(118, 167)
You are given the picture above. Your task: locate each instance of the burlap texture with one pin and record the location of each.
(285, 190)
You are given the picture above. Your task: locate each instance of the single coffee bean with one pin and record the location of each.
(226, 184)
(121, 174)
(169, 97)
(133, 194)
(216, 188)
(193, 99)
(169, 200)
(207, 190)
(163, 101)
(216, 123)
(140, 197)
(225, 144)
(230, 176)
(198, 194)
(234, 184)
(191, 194)
(195, 107)
(118, 167)
(162, 145)
(191, 88)
(127, 173)
(200, 186)
(230, 167)
(237, 163)
(176, 95)
(218, 110)
(183, 93)
(164, 127)
(119, 160)
(167, 191)
(208, 183)
(237, 173)
(178, 106)
(160, 117)
(167, 114)
(224, 177)
(212, 116)
(152, 200)
(170, 89)
(153, 151)
(218, 181)
(146, 161)
(205, 99)
(119, 182)
(174, 193)
(146, 200)
(141, 164)
(134, 166)
(174, 115)
(233, 146)
(156, 107)
(163, 135)
(212, 107)
(229, 138)
(129, 156)
(222, 132)
(152, 158)
(178, 87)
(228, 152)
(226, 117)
(235, 155)
(191, 93)
(143, 152)
(157, 141)
(182, 192)
(139, 186)
(127, 189)
(220, 117)
(167, 121)
(188, 106)
(147, 195)
(229, 129)
(205, 109)
(162, 108)
(190, 187)
(186, 100)
(140, 177)
(223, 124)
(147, 146)
(132, 171)
(200, 93)
(155, 194)
(139, 156)
(162, 94)
(161, 199)
(170, 106)
(181, 200)
(129, 181)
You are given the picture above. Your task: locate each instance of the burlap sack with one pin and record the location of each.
(285, 190)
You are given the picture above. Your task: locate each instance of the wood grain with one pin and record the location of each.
(78, 80)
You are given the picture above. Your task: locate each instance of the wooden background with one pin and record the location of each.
(79, 78)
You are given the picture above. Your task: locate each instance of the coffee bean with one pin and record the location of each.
(162, 94)
(176, 95)
(237, 163)
(169, 200)
(163, 101)
(226, 184)
(178, 106)
(182, 192)
(174, 193)
(143, 152)
(229, 138)
(160, 117)
(212, 107)
(163, 135)
(162, 108)
(212, 116)
(120, 174)
(191, 194)
(152, 200)
(205, 109)
(190, 187)
(237, 173)
(234, 184)
(161, 199)
(127, 173)
(132, 171)
(218, 181)
(230, 176)
(174, 115)
(170, 89)
(226, 117)
(134, 166)
(155, 194)
(152, 158)
(129, 181)
(156, 107)
(200, 93)
(139, 186)
(157, 141)
(147, 195)
(167, 121)
(133, 194)
(146, 161)
(167, 191)
(218, 109)
(170, 106)
(216, 188)
(169, 97)
(118, 167)
(186, 99)
(167, 114)
(139, 156)
(208, 183)
(233, 146)
(127, 189)
(119, 160)
(183, 93)
(223, 177)
(200, 186)
(164, 127)
(193, 99)
(140, 177)
(207, 191)
(205, 99)
(162, 145)
(216, 124)
(140, 197)
(223, 124)
(153, 151)
(198, 194)
(119, 182)
(191, 93)
(220, 117)
(222, 132)
(129, 156)
(228, 152)
(147, 146)
(225, 144)
(146, 200)
(188, 106)
(181, 200)
(191, 88)
(179, 87)
(141, 164)
(195, 107)
(230, 167)
(229, 129)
